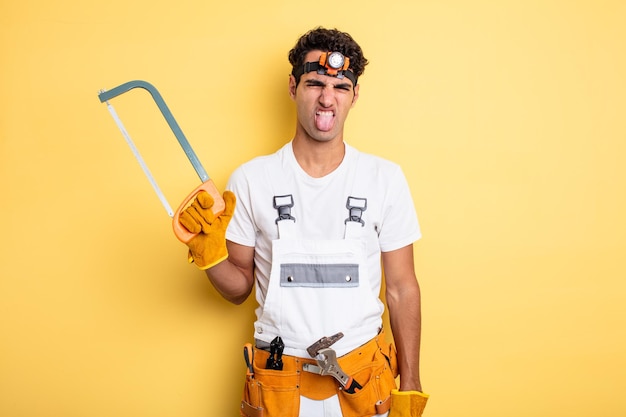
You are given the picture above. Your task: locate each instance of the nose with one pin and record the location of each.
(327, 95)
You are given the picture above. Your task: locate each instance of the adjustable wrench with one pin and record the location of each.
(324, 342)
(327, 365)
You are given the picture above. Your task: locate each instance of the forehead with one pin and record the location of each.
(313, 56)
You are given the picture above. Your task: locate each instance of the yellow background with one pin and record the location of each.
(509, 118)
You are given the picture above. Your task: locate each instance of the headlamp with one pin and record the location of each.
(333, 64)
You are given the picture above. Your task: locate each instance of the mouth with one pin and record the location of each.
(324, 120)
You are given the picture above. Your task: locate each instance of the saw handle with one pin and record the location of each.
(180, 231)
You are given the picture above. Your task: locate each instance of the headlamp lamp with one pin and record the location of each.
(333, 64)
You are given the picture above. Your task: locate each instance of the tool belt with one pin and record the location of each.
(276, 393)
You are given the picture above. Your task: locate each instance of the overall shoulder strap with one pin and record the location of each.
(282, 200)
(356, 203)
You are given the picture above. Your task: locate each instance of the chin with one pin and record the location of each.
(324, 136)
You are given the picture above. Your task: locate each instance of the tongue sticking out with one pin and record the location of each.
(324, 120)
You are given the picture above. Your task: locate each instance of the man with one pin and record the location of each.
(312, 223)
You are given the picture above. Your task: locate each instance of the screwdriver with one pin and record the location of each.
(248, 355)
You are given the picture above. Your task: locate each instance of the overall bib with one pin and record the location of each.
(318, 288)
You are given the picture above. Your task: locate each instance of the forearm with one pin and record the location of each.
(234, 277)
(229, 281)
(405, 318)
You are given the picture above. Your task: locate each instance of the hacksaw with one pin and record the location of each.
(207, 183)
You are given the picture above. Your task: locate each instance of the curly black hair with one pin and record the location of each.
(328, 40)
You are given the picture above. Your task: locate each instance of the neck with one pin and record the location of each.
(316, 158)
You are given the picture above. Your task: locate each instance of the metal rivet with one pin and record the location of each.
(290, 279)
(348, 278)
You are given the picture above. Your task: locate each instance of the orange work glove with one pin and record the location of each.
(208, 247)
(407, 403)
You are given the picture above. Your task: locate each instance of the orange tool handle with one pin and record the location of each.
(180, 231)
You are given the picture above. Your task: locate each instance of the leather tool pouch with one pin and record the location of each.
(272, 393)
(374, 366)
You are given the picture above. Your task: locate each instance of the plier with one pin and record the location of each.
(275, 360)
(327, 365)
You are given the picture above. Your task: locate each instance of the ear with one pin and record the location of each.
(292, 87)
(356, 94)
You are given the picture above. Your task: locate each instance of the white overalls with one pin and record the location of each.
(318, 287)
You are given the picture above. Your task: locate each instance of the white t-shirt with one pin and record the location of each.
(319, 207)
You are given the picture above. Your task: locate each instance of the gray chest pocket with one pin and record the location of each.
(319, 275)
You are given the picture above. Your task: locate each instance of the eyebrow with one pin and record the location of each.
(318, 83)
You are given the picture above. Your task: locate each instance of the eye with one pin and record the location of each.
(315, 83)
(343, 87)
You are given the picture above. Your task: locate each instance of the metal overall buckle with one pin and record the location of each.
(356, 206)
(284, 203)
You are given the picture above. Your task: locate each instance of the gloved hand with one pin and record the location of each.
(208, 247)
(407, 403)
